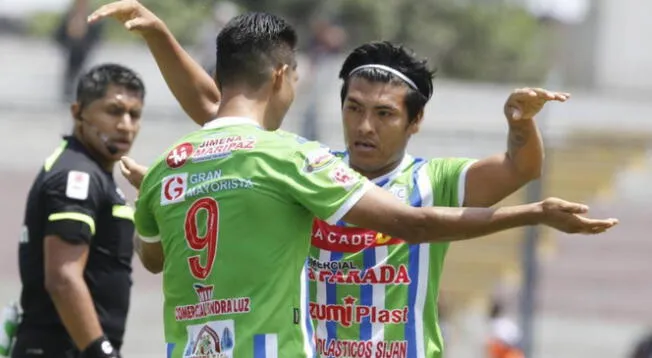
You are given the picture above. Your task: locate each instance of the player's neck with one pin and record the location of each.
(243, 105)
(377, 173)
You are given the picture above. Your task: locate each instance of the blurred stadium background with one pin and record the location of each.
(592, 295)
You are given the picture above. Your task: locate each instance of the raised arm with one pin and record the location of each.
(194, 89)
(492, 179)
(379, 210)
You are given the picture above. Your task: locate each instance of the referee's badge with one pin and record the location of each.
(77, 185)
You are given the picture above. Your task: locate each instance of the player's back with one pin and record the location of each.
(234, 231)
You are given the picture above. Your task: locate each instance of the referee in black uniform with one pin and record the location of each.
(77, 245)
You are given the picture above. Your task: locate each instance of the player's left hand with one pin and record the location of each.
(132, 14)
(525, 103)
(132, 171)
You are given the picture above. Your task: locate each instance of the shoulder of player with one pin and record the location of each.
(430, 165)
(286, 144)
(441, 161)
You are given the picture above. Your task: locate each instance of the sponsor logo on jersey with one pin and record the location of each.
(210, 340)
(380, 274)
(173, 188)
(220, 147)
(336, 348)
(317, 160)
(344, 176)
(330, 265)
(210, 307)
(196, 178)
(347, 239)
(77, 185)
(348, 313)
(179, 155)
(219, 185)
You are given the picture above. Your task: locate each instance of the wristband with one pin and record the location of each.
(100, 348)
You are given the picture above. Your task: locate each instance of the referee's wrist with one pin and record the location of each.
(100, 348)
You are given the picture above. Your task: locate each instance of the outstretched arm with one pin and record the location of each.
(337, 193)
(194, 89)
(379, 210)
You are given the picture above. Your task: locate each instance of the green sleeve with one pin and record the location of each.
(323, 183)
(448, 177)
(144, 218)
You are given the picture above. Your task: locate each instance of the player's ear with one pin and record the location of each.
(75, 111)
(279, 76)
(415, 124)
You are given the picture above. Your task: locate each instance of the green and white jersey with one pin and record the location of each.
(233, 205)
(373, 295)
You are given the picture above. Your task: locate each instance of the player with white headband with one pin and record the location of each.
(373, 295)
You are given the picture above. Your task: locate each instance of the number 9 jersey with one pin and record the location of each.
(232, 205)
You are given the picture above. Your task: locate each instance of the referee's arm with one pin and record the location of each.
(70, 226)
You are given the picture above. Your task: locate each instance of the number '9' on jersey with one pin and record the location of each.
(232, 206)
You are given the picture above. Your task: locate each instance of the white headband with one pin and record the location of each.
(388, 69)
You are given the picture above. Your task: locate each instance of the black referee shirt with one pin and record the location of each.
(75, 199)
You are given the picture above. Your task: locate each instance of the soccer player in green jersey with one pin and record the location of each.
(226, 211)
(373, 294)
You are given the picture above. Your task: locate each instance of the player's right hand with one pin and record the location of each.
(526, 103)
(566, 216)
(132, 14)
(132, 171)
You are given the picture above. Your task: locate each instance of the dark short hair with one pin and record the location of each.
(397, 57)
(93, 84)
(250, 46)
(643, 348)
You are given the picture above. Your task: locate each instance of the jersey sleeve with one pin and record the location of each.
(323, 183)
(448, 177)
(72, 199)
(144, 218)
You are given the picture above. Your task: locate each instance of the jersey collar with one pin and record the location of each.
(386, 178)
(221, 122)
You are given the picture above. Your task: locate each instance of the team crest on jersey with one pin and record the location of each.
(399, 191)
(220, 147)
(179, 155)
(317, 160)
(173, 188)
(210, 340)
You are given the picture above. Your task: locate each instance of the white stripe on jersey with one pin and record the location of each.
(271, 346)
(424, 183)
(307, 339)
(461, 183)
(378, 297)
(320, 330)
